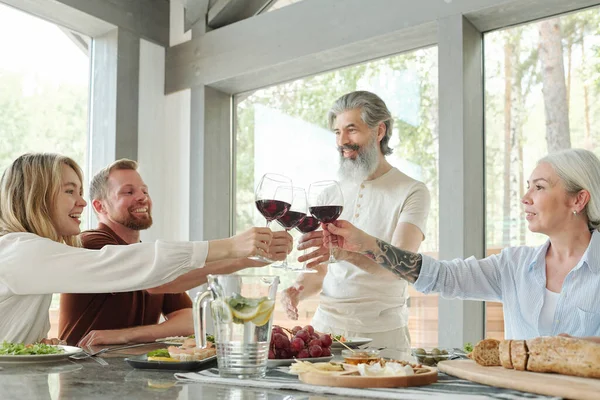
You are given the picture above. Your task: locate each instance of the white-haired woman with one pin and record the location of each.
(546, 290)
(40, 209)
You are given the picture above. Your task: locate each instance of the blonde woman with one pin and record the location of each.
(546, 290)
(40, 209)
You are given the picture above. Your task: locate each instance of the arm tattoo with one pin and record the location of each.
(405, 264)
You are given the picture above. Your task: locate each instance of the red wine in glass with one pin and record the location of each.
(325, 203)
(291, 219)
(272, 209)
(273, 198)
(308, 224)
(326, 214)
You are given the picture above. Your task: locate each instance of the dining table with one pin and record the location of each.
(109, 376)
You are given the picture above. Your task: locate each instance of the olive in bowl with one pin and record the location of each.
(431, 357)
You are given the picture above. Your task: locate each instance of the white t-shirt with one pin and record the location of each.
(547, 313)
(32, 268)
(352, 299)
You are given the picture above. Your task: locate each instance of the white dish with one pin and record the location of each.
(351, 342)
(282, 363)
(37, 358)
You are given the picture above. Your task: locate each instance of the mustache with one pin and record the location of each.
(353, 147)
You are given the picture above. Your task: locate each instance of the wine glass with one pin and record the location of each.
(325, 203)
(294, 215)
(272, 201)
(308, 224)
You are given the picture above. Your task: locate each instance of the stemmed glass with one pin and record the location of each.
(308, 224)
(272, 201)
(325, 203)
(294, 215)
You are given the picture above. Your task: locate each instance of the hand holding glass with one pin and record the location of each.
(294, 216)
(271, 202)
(325, 203)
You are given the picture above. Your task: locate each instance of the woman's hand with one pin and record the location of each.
(253, 242)
(346, 236)
(281, 245)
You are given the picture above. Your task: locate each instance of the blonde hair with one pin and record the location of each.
(99, 183)
(28, 192)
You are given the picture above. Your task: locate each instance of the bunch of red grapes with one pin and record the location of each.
(299, 342)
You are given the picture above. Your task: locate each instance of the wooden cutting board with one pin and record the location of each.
(570, 387)
(357, 381)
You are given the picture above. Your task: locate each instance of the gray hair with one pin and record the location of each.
(579, 169)
(373, 112)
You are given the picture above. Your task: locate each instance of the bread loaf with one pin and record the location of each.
(568, 356)
(518, 354)
(486, 353)
(504, 350)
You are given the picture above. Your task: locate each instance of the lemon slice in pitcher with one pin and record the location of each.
(246, 313)
(265, 310)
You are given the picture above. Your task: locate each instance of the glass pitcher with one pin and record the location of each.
(242, 312)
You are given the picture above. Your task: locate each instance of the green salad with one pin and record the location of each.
(209, 338)
(20, 349)
(159, 353)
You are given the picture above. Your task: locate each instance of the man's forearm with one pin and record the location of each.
(180, 324)
(404, 264)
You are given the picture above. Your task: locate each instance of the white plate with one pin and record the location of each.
(351, 342)
(289, 361)
(36, 358)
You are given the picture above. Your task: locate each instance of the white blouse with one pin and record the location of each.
(33, 267)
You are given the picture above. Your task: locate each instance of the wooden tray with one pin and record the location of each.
(570, 387)
(357, 381)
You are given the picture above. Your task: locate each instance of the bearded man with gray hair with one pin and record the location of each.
(383, 202)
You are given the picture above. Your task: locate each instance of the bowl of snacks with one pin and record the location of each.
(431, 357)
(360, 356)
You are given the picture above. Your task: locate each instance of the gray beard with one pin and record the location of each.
(364, 165)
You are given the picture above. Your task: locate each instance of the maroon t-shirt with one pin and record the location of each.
(82, 313)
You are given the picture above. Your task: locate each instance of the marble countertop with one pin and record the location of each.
(115, 379)
(110, 377)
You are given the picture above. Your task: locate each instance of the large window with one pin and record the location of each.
(542, 90)
(44, 91)
(283, 129)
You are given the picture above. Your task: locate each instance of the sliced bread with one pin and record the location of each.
(518, 354)
(486, 353)
(505, 358)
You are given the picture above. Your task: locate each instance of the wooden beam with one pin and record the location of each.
(280, 46)
(148, 19)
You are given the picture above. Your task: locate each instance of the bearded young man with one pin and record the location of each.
(123, 205)
(380, 200)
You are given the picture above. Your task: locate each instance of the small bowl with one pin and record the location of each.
(431, 357)
(360, 356)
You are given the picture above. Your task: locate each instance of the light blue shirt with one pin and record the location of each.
(517, 278)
